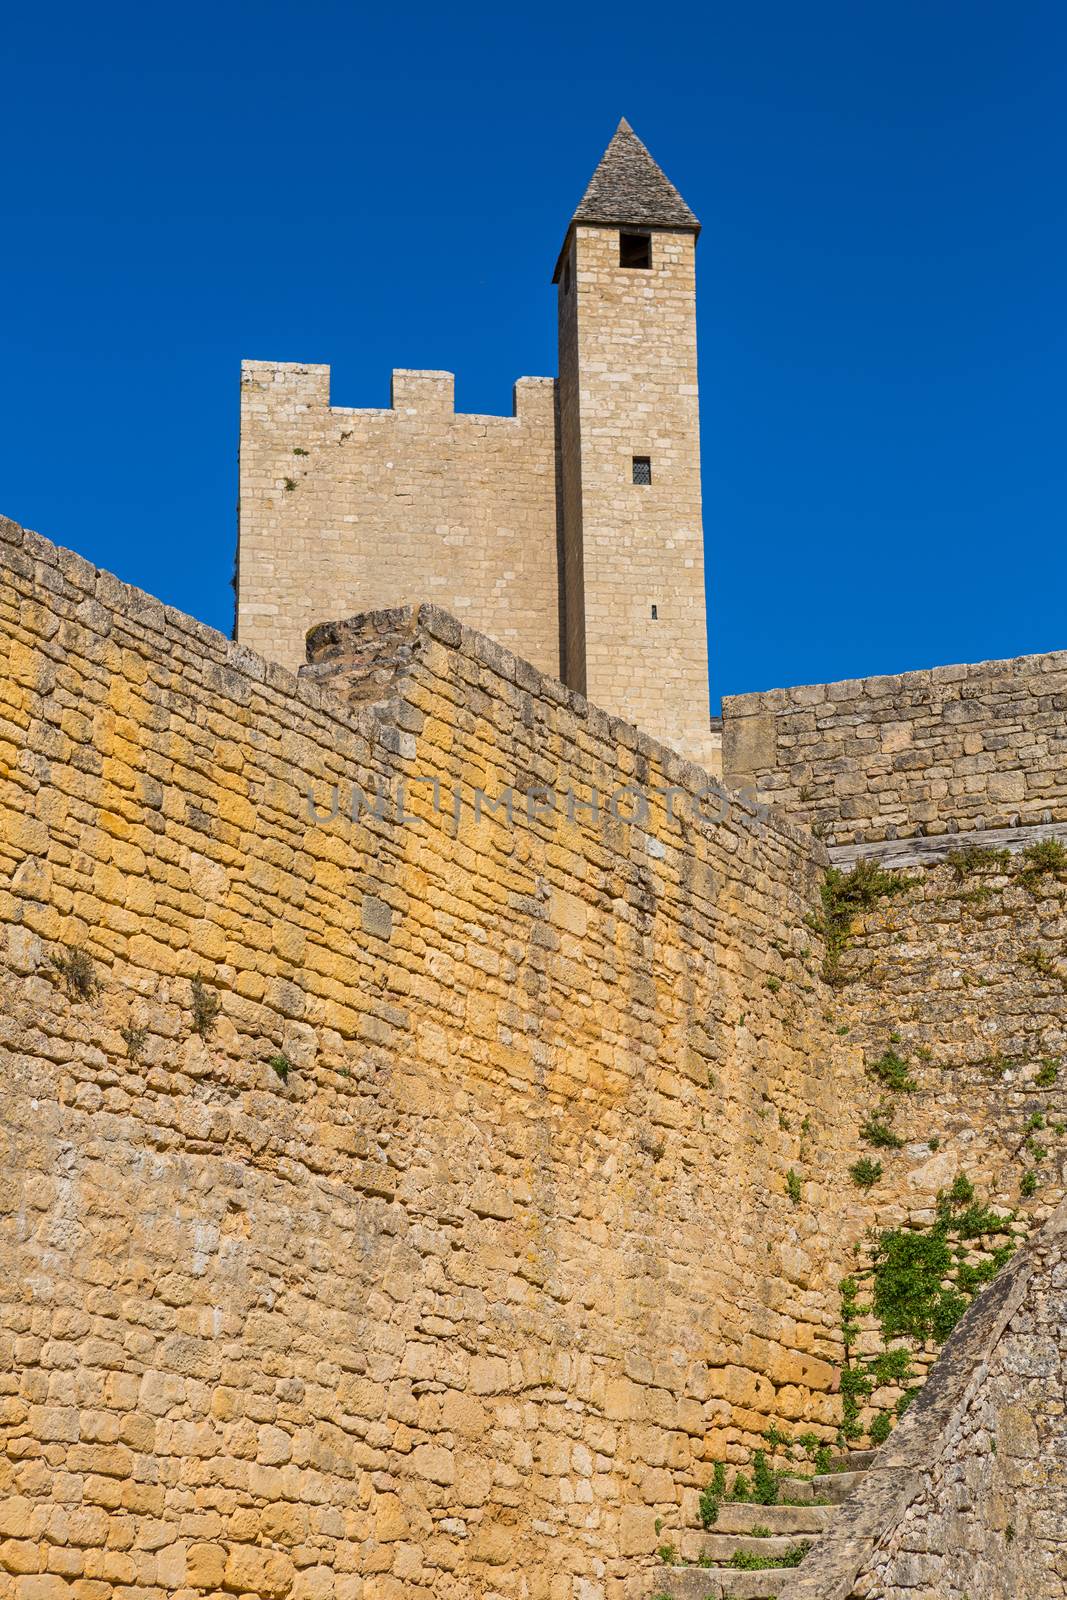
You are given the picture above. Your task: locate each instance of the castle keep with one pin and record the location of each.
(411, 1192)
(570, 531)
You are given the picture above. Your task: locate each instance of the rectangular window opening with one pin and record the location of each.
(655, 613)
(635, 250)
(642, 469)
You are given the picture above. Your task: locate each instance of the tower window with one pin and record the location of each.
(642, 469)
(635, 250)
(655, 613)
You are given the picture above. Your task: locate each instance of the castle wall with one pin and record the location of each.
(972, 747)
(509, 1187)
(946, 974)
(944, 977)
(628, 366)
(466, 1290)
(345, 510)
(968, 1500)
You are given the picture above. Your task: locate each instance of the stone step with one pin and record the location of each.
(719, 1547)
(834, 1486)
(854, 1461)
(806, 1520)
(799, 1490)
(829, 1486)
(790, 1525)
(718, 1583)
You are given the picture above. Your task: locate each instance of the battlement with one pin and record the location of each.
(412, 392)
(571, 530)
(348, 508)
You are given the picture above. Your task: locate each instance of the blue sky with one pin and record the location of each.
(882, 279)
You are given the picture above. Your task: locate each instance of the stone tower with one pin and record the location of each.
(635, 626)
(569, 531)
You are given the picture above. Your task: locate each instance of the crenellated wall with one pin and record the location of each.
(347, 510)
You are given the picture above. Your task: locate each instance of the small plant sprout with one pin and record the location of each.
(75, 970)
(877, 1132)
(1047, 1076)
(972, 858)
(135, 1040)
(793, 1186)
(745, 1561)
(1040, 961)
(206, 1006)
(1047, 856)
(712, 1496)
(892, 1070)
(282, 1066)
(881, 1427)
(865, 1173)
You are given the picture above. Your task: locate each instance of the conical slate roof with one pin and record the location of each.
(629, 190)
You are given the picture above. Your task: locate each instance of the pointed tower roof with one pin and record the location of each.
(628, 189)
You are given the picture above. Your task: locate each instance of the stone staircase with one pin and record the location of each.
(706, 1573)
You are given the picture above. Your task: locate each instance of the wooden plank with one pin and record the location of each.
(920, 851)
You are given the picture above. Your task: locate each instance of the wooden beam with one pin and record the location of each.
(920, 851)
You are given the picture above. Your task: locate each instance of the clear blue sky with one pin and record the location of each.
(883, 271)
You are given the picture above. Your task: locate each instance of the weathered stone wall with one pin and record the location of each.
(446, 1257)
(968, 1500)
(943, 977)
(966, 747)
(345, 510)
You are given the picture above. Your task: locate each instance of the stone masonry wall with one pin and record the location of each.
(944, 978)
(968, 1501)
(967, 747)
(345, 510)
(946, 975)
(443, 1259)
